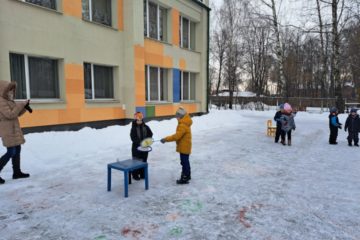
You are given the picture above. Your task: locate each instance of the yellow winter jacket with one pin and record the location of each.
(182, 135)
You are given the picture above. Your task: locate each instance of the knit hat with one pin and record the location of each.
(287, 107)
(353, 110)
(333, 110)
(180, 113)
(138, 116)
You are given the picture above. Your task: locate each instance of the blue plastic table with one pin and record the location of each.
(127, 166)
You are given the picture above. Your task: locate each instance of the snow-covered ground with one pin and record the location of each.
(244, 186)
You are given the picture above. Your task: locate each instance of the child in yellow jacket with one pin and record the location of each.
(183, 143)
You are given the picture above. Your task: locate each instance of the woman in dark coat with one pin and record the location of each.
(139, 131)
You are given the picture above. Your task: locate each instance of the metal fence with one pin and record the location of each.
(300, 103)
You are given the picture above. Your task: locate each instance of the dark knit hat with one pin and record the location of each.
(333, 110)
(180, 113)
(353, 110)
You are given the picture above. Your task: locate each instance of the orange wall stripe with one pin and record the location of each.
(175, 27)
(72, 8)
(182, 64)
(120, 15)
(139, 75)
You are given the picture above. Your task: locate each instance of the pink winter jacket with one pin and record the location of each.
(10, 131)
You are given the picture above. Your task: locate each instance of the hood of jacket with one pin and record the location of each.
(186, 120)
(6, 87)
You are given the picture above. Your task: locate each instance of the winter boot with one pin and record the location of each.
(16, 168)
(2, 181)
(356, 144)
(135, 175)
(283, 142)
(289, 142)
(183, 179)
(349, 143)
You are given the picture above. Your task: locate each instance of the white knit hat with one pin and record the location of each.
(180, 113)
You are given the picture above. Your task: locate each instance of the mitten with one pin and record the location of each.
(162, 140)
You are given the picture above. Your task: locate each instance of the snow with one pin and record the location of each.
(244, 186)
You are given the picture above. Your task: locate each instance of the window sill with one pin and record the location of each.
(190, 50)
(156, 40)
(41, 7)
(188, 101)
(100, 24)
(95, 101)
(151, 103)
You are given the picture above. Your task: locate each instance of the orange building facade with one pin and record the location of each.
(97, 62)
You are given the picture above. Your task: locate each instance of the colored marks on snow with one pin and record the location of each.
(176, 231)
(244, 210)
(192, 206)
(101, 237)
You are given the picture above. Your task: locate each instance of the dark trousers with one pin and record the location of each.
(141, 157)
(333, 134)
(12, 152)
(185, 163)
(283, 135)
(277, 133)
(353, 136)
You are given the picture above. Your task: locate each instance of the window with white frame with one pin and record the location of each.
(44, 3)
(187, 89)
(187, 33)
(36, 77)
(155, 21)
(99, 82)
(155, 84)
(97, 11)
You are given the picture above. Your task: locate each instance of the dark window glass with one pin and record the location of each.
(44, 3)
(87, 81)
(153, 20)
(103, 81)
(43, 78)
(101, 11)
(17, 74)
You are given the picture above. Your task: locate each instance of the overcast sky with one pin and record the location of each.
(290, 11)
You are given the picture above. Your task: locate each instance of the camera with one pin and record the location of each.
(28, 108)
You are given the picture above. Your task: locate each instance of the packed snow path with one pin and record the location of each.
(244, 186)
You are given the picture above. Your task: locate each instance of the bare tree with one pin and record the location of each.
(278, 46)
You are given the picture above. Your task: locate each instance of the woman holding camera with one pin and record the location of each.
(10, 131)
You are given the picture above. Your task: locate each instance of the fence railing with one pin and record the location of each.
(300, 103)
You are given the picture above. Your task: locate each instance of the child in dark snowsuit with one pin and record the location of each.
(334, 125)
(353, 125)
(278, 122)
(139, 131)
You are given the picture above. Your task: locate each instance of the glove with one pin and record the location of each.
(339, 127)
(345, 129)
(162, 140)
(294, 129)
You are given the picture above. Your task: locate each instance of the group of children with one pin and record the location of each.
(285, 123)
(140, 131)
(352, 124)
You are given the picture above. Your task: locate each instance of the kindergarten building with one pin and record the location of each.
(96, 62)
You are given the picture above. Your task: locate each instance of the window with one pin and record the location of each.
(97, 11)
(187, 33)
(44, 3)
(36, 78)
(155, 84)
(187, 86)
(155, 21)
(99, 82)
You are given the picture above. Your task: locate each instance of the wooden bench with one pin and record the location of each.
(127, 166)
(271, 130)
